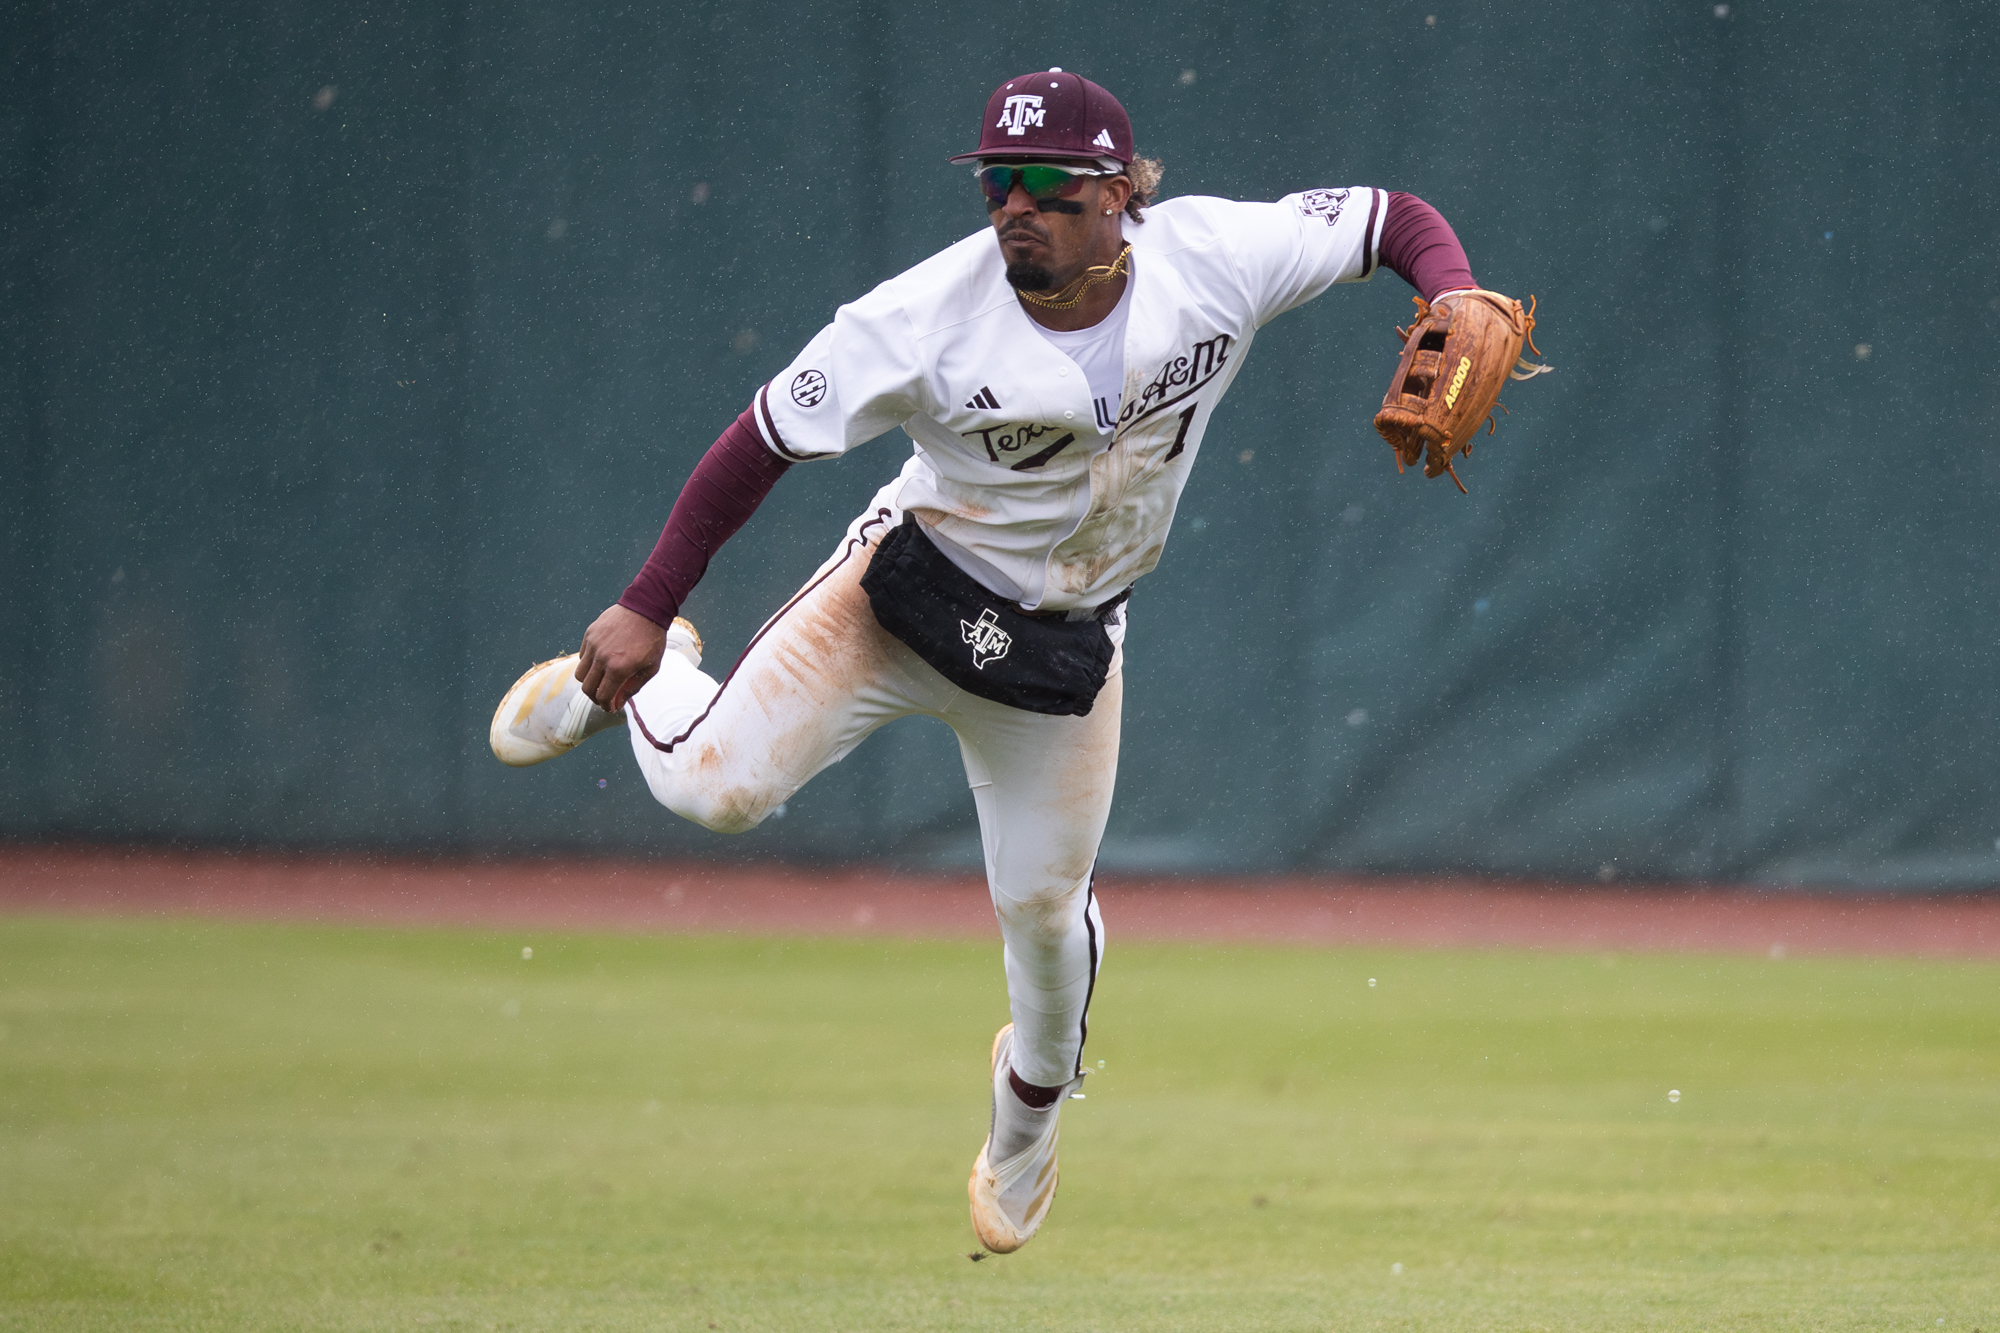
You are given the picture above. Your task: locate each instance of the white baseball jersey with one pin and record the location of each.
(1011, 472)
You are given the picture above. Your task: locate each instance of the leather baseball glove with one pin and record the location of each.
(1457, 356)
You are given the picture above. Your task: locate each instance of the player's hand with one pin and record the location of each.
(621, 652)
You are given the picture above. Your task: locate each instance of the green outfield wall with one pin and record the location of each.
(353, 355)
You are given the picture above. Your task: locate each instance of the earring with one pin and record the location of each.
(1107, 212)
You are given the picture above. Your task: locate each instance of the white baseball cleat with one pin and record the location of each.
(682, 639)
(1010, 1198)
(547, 713)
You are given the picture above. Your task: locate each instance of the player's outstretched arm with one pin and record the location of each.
(622, 647)
(1460, 350)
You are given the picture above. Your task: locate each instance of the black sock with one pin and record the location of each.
(1030, 1095)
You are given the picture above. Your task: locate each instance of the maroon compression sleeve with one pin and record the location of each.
(1419, 247)
(728, 484)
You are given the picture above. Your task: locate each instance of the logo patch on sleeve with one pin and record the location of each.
(1323, 204)
(808, 388)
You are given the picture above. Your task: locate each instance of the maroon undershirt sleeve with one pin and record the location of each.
(728, 484)
(1419, 247)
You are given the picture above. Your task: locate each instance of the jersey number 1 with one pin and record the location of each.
(1180, 436)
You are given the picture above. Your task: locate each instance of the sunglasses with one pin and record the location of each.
(1044, 182)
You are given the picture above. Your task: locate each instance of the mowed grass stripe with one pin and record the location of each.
(222, 1126)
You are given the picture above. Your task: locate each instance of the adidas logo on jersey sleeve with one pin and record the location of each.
(983, 399)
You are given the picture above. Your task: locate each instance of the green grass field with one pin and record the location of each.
(210, 1126)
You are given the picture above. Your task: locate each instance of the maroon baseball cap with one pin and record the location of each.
(1053, 115)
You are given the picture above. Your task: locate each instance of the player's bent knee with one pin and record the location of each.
(701, 786)
(722, 809)
(717, 810)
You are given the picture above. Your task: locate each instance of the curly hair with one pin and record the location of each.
(1144, 173)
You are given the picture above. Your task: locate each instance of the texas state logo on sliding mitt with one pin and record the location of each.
(1456, 358)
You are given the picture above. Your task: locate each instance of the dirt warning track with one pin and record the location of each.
(694, 897)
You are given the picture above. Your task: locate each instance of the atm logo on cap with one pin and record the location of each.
(1022, 110)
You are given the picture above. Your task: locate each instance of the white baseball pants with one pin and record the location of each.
(818, 678)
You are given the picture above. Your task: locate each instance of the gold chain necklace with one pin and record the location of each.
(1091, 277)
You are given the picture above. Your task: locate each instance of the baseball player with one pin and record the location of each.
(1056, 372)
